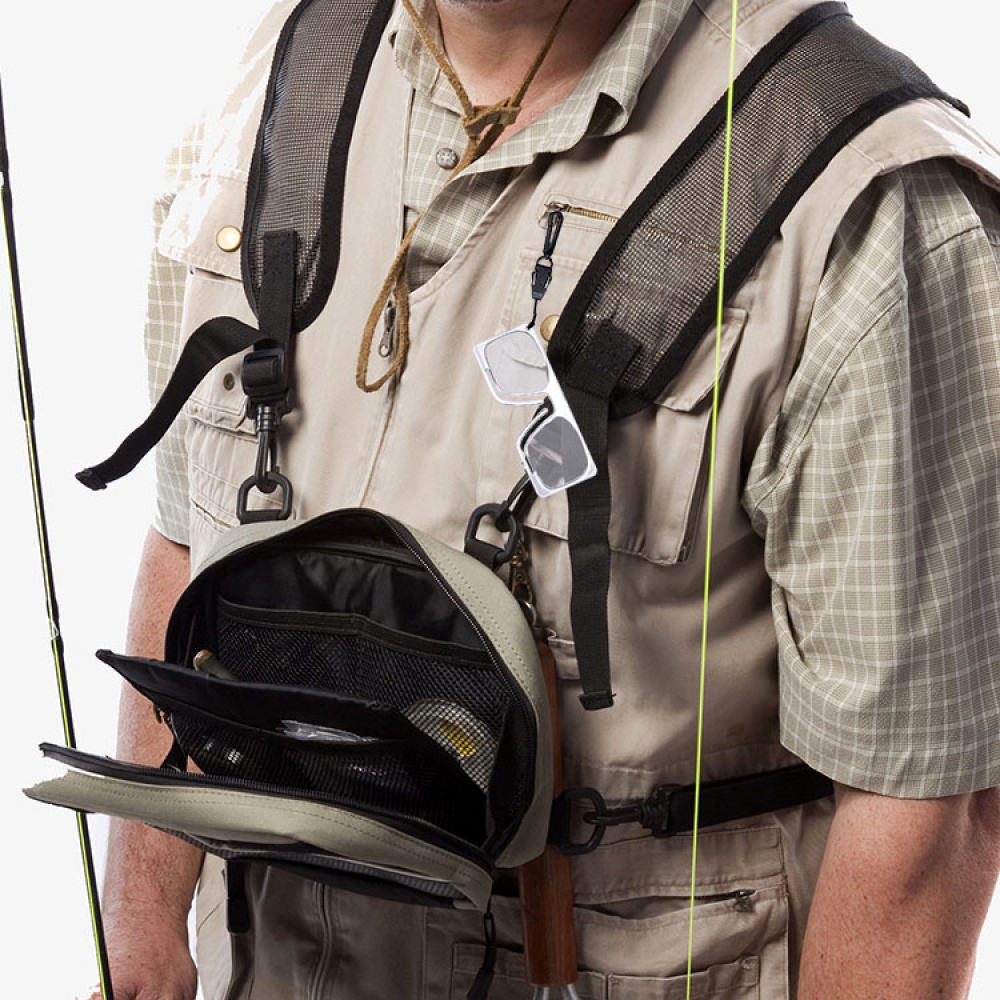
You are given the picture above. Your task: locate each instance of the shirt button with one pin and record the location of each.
(446, 159)
(228, 239)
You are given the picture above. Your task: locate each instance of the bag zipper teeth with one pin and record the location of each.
(587, 213)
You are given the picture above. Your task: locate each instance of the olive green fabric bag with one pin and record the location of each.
(366, 706)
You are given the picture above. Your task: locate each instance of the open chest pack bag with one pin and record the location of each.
(365, 702)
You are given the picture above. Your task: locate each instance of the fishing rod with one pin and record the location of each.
(41, 526)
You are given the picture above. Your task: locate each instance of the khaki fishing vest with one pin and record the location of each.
(431, 447)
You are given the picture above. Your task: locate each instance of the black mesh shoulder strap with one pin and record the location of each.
(799, 101)
(291, 226)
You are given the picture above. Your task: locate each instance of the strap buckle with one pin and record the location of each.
(265, 379)
(652, 813)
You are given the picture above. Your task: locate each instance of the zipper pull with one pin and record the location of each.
(387, 345)
(520, 584)
(541, 276)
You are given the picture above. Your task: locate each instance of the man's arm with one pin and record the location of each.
(902, 894)
(150, 876)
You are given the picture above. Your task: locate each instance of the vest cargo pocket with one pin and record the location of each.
(219, 438)
(508, 978)
(662, 454)
(221, 447)
(631, 922)
(735, 981)
(642, 942)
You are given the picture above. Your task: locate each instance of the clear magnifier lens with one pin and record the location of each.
(518, 365)
(555, 454)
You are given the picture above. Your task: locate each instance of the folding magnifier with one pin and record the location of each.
(552, 447)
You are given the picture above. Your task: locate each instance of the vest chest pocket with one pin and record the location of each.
(202, 231)
(658, 462)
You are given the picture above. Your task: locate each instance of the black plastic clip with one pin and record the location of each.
(265, 382)
(559, 824)
(492, 555)
(541, 276)
(265, 378)
(506, 518)
(652, 813)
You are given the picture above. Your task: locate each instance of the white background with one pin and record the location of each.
(94, 93)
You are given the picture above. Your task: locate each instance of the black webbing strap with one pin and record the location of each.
(277, 292)
(211, 343)
(668, 331)
(669, 809)
(588, 386)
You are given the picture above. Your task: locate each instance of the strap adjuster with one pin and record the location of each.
(265, 378)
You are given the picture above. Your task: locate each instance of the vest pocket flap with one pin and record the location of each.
(661, 454)
(696, 380)
(203, 227)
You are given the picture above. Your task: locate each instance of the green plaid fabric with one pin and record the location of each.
(876, 488)
(164, 309)
(877, 493)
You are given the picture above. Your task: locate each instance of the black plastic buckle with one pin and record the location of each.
(488, 554)
(265, 379)
(559, 824)
(268, 483)
(652, 813)
(656, 811)
(506, 518)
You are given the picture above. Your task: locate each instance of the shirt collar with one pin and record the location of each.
(600, 105)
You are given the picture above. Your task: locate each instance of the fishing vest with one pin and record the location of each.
(633, 300)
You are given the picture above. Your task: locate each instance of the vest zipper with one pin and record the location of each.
(742, 899)
(586, 213)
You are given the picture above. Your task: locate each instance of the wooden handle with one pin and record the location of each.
(545, 883)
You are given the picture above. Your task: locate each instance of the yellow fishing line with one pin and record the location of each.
(711, 486)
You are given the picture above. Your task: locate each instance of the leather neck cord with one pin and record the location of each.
(483, 124)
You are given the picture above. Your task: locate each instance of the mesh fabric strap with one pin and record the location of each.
(818, 83)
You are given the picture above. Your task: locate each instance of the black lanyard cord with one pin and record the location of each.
(52, 608)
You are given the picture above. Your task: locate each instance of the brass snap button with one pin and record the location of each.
(228, 239)
(548, 327)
